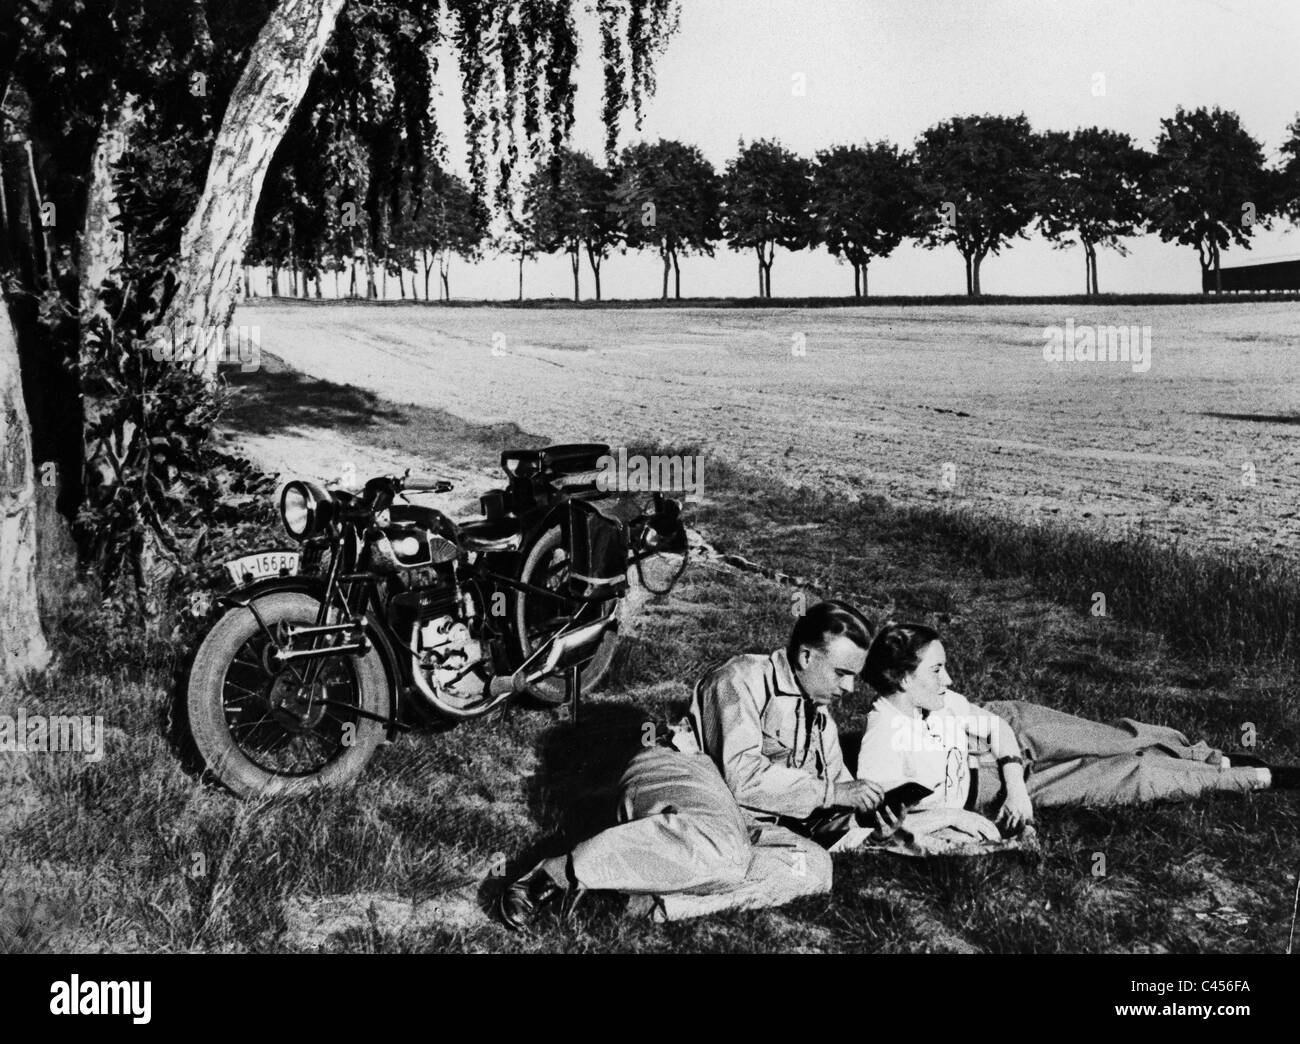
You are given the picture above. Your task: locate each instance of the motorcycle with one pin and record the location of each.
(390, 616)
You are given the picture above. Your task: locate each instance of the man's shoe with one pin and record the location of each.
(523, 901)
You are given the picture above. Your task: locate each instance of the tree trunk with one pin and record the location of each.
(677, 278)
(975, 274)
(443, 272)
(1218, 275)
(424, 256)
(37, 196)
(352, 279)
(521, 275)
(594, 261)
(575, 260)
(275, 280)
(970, 286)
(273, 81)
(864, 277)
(22, 642)
(857, 280)
(759, 250)
(667, 267)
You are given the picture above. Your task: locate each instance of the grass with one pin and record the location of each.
(894, 300)
(132, 853)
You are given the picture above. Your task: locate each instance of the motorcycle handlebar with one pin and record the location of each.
(422, 483)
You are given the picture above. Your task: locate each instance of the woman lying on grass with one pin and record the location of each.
(919, 730)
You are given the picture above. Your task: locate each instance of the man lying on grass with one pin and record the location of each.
(743, 825)
(920, 730)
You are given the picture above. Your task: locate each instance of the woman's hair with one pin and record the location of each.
(827, 620)
(895, 653)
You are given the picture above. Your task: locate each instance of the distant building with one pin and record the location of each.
(1270, 275)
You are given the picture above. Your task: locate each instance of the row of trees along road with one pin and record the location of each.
(137, 137)
(973, 182)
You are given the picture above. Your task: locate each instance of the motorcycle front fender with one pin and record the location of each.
(315, 587)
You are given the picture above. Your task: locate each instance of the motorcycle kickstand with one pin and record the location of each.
(573, 693)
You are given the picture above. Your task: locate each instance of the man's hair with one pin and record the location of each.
(895, 653)
(827, 620)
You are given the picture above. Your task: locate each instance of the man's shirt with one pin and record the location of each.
(778, 751)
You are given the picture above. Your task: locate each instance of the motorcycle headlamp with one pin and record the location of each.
(304, 509)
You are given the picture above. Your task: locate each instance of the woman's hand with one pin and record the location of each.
(887, 824)
(932, 820)
(1017, 809)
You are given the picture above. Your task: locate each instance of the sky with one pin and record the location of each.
(815, 73)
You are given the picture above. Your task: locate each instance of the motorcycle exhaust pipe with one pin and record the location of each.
(560, 646)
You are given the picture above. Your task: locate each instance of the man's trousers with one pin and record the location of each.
(681, 837)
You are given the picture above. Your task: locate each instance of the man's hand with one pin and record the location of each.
(861, 795)
(1017, 809)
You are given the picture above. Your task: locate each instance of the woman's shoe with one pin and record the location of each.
(1285, 777)
(1240, 759)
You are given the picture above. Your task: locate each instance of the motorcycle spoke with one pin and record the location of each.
(310, 734)
(264, 719)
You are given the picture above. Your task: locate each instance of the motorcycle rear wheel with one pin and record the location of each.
(535, 617)
(231, 681)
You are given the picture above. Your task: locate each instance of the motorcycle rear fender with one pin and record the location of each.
(315, 587)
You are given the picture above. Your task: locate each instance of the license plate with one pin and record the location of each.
(265, 563)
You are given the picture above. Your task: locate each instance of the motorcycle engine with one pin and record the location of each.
(447, 651)
(436, 620)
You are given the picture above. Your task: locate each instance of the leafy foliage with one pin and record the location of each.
(570, 203)
(1210, 187)
(983, 171)
(767, 197)
(865, 201)
(1094, 185)
(673, 198)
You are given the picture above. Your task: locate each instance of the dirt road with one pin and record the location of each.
(936, 404)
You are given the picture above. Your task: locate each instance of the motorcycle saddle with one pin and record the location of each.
(491, 534)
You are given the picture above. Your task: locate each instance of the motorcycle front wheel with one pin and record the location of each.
(537, 617)
(266, 729)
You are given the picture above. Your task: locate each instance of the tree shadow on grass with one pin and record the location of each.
(275, 398)
(1258, 418)
(575, 791)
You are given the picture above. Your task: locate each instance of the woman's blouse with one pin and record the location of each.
(930, 748)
